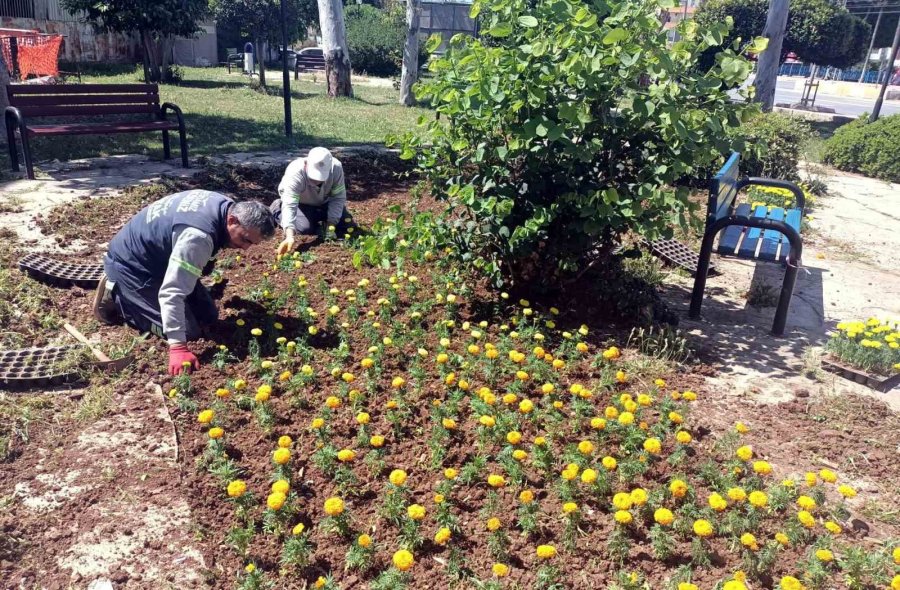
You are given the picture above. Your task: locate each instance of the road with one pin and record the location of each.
(841, 104)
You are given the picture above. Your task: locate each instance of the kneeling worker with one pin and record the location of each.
(311, 191)
(153, 265)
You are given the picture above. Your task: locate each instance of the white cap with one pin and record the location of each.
(318, 164)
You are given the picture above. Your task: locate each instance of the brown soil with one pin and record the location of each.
(857, 438)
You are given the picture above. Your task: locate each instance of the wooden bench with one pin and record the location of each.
(64, 101)
(309, 60)
(760, 233)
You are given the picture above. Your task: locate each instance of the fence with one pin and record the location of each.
(802, 70)
(446, 19)
(37, 9)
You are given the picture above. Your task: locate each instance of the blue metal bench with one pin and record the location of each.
(761, 233)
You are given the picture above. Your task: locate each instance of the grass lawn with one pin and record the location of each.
(224, 114)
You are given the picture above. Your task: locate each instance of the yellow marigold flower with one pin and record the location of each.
(215, 433)
(364, 541)
(782, 539)
(519, 455)
(266, 364)
(281, 485)
(824, 555)
(317, 423)
(734, 585)
(806, 503)
(397, 477)
(652, 446)
(206, 416)
(790, 583)
(741, 428)
(683, 436)
(623, 517)
(403, 559)
(526, 406)
(281, 456)
(895, 581)
(598, 423)
(493, 524)
(416, 511)
(570, 472)
(256, 332)
(758, 499)
(621, 377)
(676, 418)
(488, 421)
(558, 363)
(622, 501)
(737, 494)
(392, 404)
(644, 400)
(762, 467)
(689, 396)
(526, 496)
(749, 541)
(611, 353)
(236, 488)
(450, 473)
(275, 500)
(334, 506)
(332, 402)
(377, 441)
(788, 483)
(367, 363)
(514, 437)
(717, 502)
(298, 529)
(263, 393)
(663, 516)
(522, 375)
(630, 406)
(570, 507)
(496, 481)
(581, 347)
(346, 455)
(589, 476)
(895, 555)
(611, 413)
(810, 478)
(687, 586)
(833, 528)
(585, 447)
(442, 536)
(744, 453)
(626, 418)
(703, 528)
(222, 392)
(678, 488)
(828, 476)
(500, 570)
(846, 491)
(540, 441)
(806, 519)
(546, 551)
(250, 567)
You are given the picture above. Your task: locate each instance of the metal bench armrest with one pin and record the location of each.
(785, 184)
(789, 232)
(168, 106)
(15, 116)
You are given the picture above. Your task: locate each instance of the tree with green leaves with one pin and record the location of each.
(260, 20)
(818, 31)
(157, 23)
(571, 125)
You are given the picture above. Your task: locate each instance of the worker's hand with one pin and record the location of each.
(181, 359)
(286, 246)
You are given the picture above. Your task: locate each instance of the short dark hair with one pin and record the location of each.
(254, 215)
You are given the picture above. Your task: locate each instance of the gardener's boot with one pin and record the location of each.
(105, 308)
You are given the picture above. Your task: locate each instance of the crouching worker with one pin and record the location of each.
(312, 191)
(153, 265)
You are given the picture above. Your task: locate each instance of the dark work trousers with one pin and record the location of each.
(140, 309)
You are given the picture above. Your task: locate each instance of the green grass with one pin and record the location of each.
(225, 115)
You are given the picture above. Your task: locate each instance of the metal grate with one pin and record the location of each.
(674, 252)
(61, 274)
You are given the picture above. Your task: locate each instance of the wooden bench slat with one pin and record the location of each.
(728, 241)
(751, 240)
(99, 128)
(27, 89)
(792, 218)
(771, 238)
(725, 187)
(82, 99)
(87, 111)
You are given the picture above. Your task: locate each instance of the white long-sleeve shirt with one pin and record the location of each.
(295, 189)
(191, 250)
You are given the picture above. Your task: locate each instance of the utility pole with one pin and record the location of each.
(872, 42)
(770, 59)
(286, 79)
(876, 110)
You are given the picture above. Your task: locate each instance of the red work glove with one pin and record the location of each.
(181, 359)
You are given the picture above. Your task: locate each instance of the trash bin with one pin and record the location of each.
(248, 58)
(292, 60)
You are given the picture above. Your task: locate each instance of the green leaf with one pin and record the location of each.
(475, 10)
(528, 21)
(500, 30)
(434, 41)
(759, 45)
(614, 36)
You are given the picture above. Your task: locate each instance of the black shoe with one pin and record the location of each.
(105, 309)
(275, 209)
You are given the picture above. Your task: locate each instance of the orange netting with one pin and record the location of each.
(38, 55)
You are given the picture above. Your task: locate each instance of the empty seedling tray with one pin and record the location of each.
(29, 368)
(61, 274)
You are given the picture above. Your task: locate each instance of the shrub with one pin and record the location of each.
(867, 148)
(570, 128)
(774, 145)
(375, 38)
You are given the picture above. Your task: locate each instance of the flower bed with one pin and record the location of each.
(407, 428)
(866, 352)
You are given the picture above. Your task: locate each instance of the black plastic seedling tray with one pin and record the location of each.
(61, 274)
(29, 368)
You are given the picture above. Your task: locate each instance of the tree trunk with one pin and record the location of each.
(165, 52)
(152, 72)
(334, 46)
(770, 59)
(410, 53)
(261, 58)
(4, 100)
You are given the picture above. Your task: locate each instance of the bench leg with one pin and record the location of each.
(702, 272)
(11, 142)
(784, 301)
(182, 138)
(167, 150)
(26, 152)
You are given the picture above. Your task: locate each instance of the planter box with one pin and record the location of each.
(876, 382)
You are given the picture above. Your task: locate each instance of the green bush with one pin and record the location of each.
(867, 148)
(570, 128)
(775, 142)
(375, 38)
